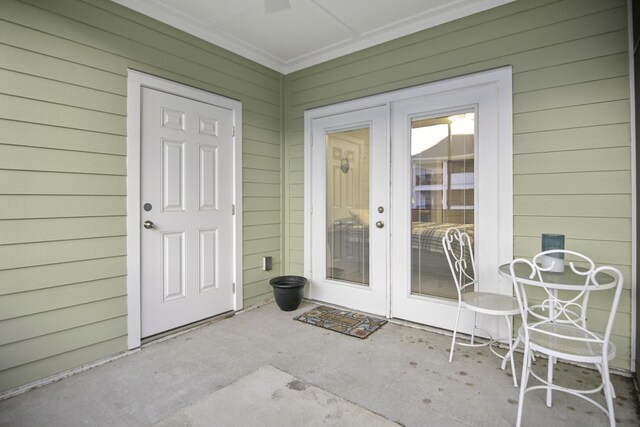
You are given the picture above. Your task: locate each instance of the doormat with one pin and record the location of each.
(343, 321)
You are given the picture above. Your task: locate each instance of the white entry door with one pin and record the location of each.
(186, 197)
(349, 210)
(451, 168)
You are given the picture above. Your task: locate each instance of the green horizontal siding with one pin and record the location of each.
(27, 351)
(29, 182)
(56, 160)
(28, 372)
(46, 322)
(572, 155)
(23, 304)
(596, 182)
(52, 275)
(29, 134)
(56, 229)
(47, 206)
(63, 74)
(602, 136)
(63, 124)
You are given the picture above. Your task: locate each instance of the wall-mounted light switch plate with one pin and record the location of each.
(267, 262)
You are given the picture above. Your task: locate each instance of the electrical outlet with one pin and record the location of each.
(267, 262)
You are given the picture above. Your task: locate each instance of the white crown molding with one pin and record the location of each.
(220, 39)
(380, 36)
(285, 66)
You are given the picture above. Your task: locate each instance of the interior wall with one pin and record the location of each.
(572, 169)
(63, 86)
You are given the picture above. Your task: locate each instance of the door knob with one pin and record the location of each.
(379, 224)
(148, 225)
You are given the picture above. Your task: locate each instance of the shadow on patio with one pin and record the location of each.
(399, 372)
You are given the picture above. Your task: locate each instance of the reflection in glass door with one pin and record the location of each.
(348, 205)
(438, 155)
(442, 196)
(349, 166)
(451, 168)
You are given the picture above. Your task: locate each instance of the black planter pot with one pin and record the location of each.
(288, 291)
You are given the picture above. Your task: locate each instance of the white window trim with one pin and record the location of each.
(135, 82)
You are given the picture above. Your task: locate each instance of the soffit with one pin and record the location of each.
(303, 33)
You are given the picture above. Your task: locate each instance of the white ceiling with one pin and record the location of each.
(309, 31)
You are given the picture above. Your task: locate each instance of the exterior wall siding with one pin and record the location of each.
(572, 154)
(63, 87)
(63, 75)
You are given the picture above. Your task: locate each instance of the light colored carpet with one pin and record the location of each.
(271, 397)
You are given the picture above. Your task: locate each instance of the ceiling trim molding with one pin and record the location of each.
(381, 36)
(356, 43)
(225, 41)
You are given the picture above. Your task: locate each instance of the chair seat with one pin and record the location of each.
(490, 303)
(567, 346)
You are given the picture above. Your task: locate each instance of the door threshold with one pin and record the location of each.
(163, 336)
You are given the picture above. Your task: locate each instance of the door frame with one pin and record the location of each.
(501, 79)
(136, 80)
(491, 172)
(376, 119)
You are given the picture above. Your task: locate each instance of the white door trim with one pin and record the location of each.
(500, 77)
(135, 82)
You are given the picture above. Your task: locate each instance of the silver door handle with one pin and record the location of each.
(379, 224)
(148, 225)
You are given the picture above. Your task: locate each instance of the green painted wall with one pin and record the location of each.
(63, 68)
(63, 86)
(572, 155)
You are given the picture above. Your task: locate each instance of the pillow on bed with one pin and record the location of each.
(360, 215)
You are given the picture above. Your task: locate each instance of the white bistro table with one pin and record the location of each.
(566, 280)
(555, 281)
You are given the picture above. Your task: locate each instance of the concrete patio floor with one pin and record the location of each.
(400, 372)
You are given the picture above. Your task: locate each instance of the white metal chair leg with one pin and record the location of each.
(510, 354)
(455, 331)
(613, 390)
(515, 345)
(551, 363)
(475, 326)
(607, 392)
(526, 366)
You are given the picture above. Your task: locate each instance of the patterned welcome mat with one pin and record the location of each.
(343, 321)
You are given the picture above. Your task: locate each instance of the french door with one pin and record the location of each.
(349, 204)
(446, 174)
(386, 176)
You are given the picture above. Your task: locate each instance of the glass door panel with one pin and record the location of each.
(451, 152)
(347, 204)
(349, 179)
(442, 196)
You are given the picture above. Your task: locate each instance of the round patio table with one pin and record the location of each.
(566, 280)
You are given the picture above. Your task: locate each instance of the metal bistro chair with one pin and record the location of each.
(554, 322)
(458, 249)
